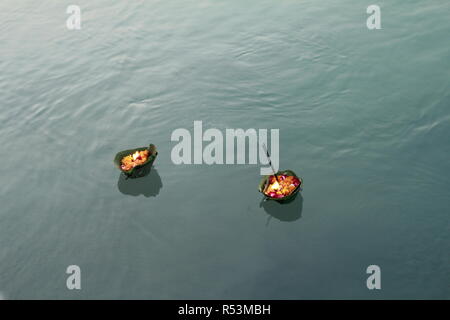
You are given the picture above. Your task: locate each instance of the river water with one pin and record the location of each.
(363, 118)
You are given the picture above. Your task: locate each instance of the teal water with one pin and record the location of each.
(363, 118)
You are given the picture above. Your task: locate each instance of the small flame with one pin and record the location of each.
(135, 155)
(275, 186)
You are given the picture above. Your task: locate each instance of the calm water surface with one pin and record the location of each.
(363, 117)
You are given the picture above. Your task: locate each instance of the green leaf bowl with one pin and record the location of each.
(139, 170)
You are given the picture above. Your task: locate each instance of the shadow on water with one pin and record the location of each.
(148, 185)
(288, 212)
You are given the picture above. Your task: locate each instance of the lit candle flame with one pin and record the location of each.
(275, 185)
(135, 155)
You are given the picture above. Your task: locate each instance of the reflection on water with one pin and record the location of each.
(149, 185)
(284, 211)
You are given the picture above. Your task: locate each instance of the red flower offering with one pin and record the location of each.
(133, 160)
(281, 188)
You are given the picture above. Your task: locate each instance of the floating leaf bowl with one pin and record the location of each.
(265, 181)
(139, 170)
